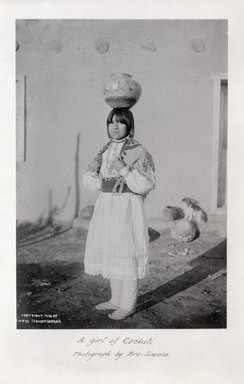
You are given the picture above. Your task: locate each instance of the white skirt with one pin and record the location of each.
(117, 241)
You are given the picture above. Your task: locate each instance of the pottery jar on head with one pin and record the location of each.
(121, 91)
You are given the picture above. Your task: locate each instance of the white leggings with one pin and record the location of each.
(124, 293)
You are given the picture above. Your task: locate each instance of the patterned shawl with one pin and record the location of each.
(135, 156)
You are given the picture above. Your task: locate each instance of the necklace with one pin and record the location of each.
(119, 140)
(113, 154)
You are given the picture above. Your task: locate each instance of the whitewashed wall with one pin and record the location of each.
(64, 79)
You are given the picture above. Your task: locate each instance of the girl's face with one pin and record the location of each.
(117, 130)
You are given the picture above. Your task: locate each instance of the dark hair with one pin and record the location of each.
(123, 116)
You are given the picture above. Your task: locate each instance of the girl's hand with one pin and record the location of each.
(118, 164)
(95, 164)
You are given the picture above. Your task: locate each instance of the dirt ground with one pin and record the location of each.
(186, 286)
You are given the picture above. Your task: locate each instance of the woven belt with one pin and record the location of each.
(108, 185)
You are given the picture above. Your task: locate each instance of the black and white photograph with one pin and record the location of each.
(121, 173)
(121, 191)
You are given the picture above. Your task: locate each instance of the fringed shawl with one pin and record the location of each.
(135, 156)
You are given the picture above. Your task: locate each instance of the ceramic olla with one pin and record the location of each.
(121, 91)
(184, 230)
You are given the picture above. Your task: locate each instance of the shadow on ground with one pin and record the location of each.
(153, 234)
(53, 291)
(205, 265)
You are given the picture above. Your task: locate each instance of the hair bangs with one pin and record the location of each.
(124, 116)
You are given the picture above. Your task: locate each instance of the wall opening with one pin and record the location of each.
(222, 158)
(220, 123)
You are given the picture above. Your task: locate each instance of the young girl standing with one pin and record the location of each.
(117, 241)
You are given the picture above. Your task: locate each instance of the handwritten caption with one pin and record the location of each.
(38, 318)
(117, 348)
